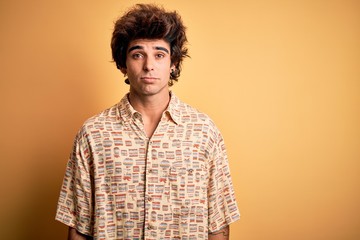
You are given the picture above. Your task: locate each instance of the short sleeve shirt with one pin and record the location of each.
(120, 184)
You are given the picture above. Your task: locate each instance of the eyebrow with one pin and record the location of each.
(141, 47)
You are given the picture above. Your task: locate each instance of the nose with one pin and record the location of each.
(148, 64)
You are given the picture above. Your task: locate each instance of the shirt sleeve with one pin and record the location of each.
(223, 208)
(75, 201)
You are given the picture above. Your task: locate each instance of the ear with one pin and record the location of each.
(123, 70)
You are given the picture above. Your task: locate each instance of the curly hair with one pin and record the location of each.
(148, 21)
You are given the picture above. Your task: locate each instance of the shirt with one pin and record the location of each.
(120, 184)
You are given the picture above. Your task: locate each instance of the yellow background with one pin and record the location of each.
(280, 78)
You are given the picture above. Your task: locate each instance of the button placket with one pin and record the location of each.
(148, 198)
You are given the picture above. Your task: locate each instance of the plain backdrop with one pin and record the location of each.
(281, 79)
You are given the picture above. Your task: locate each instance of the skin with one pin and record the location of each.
(75, 235)
(223, 234)
(148, 68)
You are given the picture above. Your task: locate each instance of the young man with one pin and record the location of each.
(150, 167)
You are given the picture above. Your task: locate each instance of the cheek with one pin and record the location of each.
(132, 68)
(165, 68)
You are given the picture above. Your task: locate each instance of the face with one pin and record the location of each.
(148, 67)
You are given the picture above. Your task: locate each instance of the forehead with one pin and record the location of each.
(149, 43)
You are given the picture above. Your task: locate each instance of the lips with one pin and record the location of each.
(149, 79)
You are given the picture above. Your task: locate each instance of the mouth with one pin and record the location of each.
(149, 79)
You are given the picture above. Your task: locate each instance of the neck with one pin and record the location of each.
(149, 106)
(151, 109)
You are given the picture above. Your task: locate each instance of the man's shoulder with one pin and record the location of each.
(190, 114)
(187, 109)
(105, 117)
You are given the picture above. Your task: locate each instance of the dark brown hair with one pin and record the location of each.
(149, 21)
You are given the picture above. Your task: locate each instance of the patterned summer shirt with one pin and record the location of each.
(119, 184)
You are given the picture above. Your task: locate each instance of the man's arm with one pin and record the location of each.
(223, 234)
(75, 235)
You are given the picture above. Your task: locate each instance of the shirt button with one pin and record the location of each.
(151, 171)
(149, 199)
(150, 227)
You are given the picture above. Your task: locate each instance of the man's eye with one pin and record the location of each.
(160, 55)
(136, 55)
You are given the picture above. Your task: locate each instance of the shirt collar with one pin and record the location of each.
(173, 108)
(127, 111)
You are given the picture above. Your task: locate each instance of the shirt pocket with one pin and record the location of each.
(188, 185)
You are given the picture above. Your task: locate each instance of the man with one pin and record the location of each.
(150, 167)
